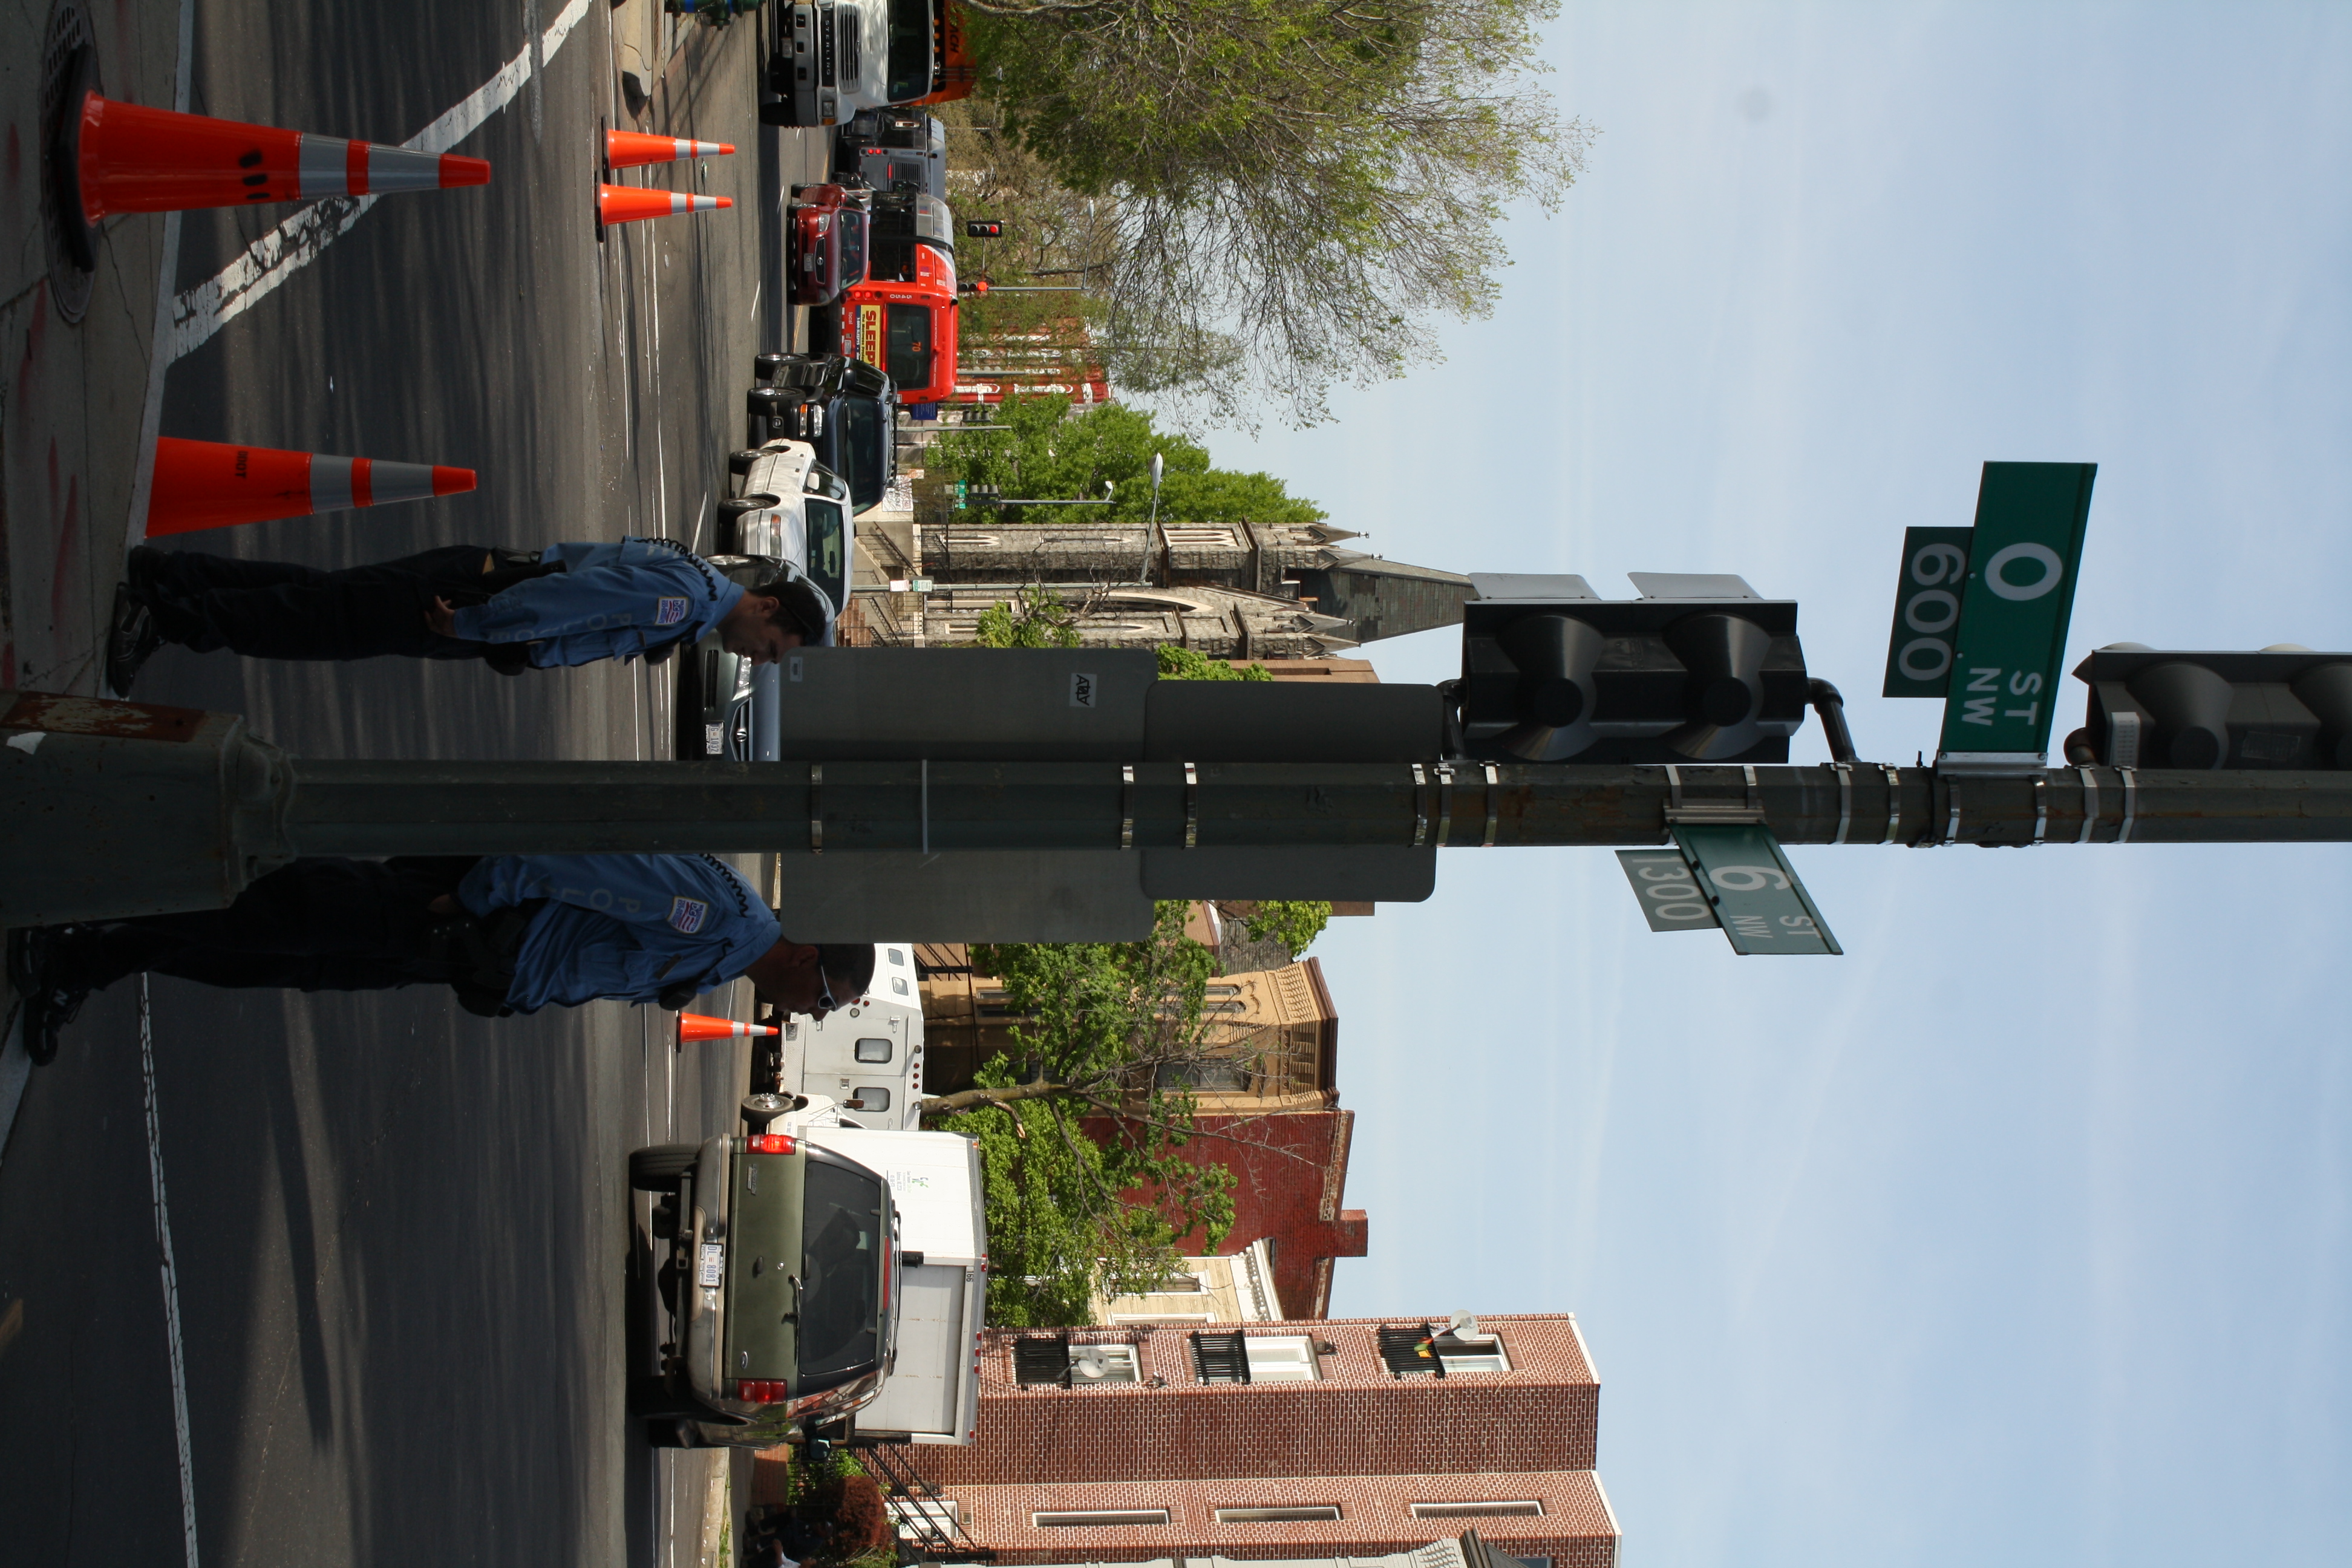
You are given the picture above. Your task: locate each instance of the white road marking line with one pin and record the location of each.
(170, 1278)
(293, 245)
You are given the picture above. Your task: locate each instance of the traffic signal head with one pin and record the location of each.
(2285, 707)
(983, 228)
(1697, 670)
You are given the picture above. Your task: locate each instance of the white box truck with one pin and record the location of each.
(867, 1058)
(930, 1384)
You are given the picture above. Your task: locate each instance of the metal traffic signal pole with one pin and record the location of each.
(850, 807)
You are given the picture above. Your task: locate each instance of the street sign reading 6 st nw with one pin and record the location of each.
(2011, 637)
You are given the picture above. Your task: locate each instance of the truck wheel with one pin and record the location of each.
(769, 402)
(740, 463)
(768, 366)
(658, 1168)
(737, 507)
(758, 1110)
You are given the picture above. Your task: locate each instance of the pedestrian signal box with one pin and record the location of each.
(2285, 707)
(1698, 670)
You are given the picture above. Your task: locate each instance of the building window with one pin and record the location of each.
(1178, 1285)
(1179, 536)
(873, 1050)
(1163, 1316)
(1526, 1508)
(1221, 990)
(1098, 1517)
(1211, 1078)
(1465, 1354)
(1280, 1358)
(1094, 1364)
(1040, 1359)
(1220, 1358)
(940, 1513)
(1306, 1515)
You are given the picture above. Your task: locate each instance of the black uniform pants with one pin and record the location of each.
(275, 609)
(319, 925)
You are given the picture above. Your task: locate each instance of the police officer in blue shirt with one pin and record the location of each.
(565, 604)
(508, 934)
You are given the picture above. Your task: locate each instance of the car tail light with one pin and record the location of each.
(774, 1143)
(762, 1390)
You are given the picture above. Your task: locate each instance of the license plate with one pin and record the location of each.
(714, 739)
(711, 1264)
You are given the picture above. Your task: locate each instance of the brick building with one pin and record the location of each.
(1349, 1439)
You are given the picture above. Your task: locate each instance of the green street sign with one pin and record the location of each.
(1731, 876)
(1757, 897)
(1669, 892)
(1926, 611)
(2006, 653)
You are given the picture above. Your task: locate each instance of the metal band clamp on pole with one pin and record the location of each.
(2131, 803)
(1952, 823)
(1894, 802)
(2090, 804)
(816, 813)
(1420, 806)
(1127, 805)
(1191, 806)
(1845, 799)
(2041, 809)
(1493, 803)
(1444, 802)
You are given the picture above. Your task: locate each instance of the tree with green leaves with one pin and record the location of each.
(1087, 1111)
(1293, 922)
(1043, 448)
(1312, 182)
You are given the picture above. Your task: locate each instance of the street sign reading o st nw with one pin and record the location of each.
(2010, 642)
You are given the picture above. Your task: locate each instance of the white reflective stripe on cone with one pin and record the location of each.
(401, 169)
(680, 202)
(400, 482)
(324, 166)
(330, 479)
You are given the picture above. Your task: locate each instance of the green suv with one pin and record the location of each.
(782, 1268)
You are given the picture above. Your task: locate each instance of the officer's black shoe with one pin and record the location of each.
(130, 640)
(47, 1012)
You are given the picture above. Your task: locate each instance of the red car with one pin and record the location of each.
(825, 244)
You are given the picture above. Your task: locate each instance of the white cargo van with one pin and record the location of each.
(868, 1059)
(930, 1384)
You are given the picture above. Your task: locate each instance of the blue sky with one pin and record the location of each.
(2024, 1232)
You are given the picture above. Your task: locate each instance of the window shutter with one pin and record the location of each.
(1410, 1351)
(1220, 1358)
(1042, 1359)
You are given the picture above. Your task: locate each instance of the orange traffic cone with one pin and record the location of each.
(631, 149)
(209, 484)
(701, 1026)
(628, 204)
(117, 157)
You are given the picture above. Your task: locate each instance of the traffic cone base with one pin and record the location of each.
(127, 158)
(211, 484)
(702, 1026)
(632, 204)
(631, 150)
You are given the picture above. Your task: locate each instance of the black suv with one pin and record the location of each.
(844, 407)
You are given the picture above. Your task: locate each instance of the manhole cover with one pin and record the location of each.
(68, 43)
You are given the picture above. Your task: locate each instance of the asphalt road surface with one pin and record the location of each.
(397, 1233)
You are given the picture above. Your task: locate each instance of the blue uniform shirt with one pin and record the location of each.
(611, 601)
(622, 926)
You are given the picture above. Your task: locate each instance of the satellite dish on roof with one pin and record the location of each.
(1464, 1327)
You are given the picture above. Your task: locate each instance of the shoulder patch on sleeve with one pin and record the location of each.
(669, 609)
(687, 914)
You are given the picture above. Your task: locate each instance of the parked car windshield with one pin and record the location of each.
(862, 433)
(827, 549)
(910, 49)
(841, 1271)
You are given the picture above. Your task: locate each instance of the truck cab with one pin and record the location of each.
(893, 149)
(834, 58)
(902, 320)
(868, 1059)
